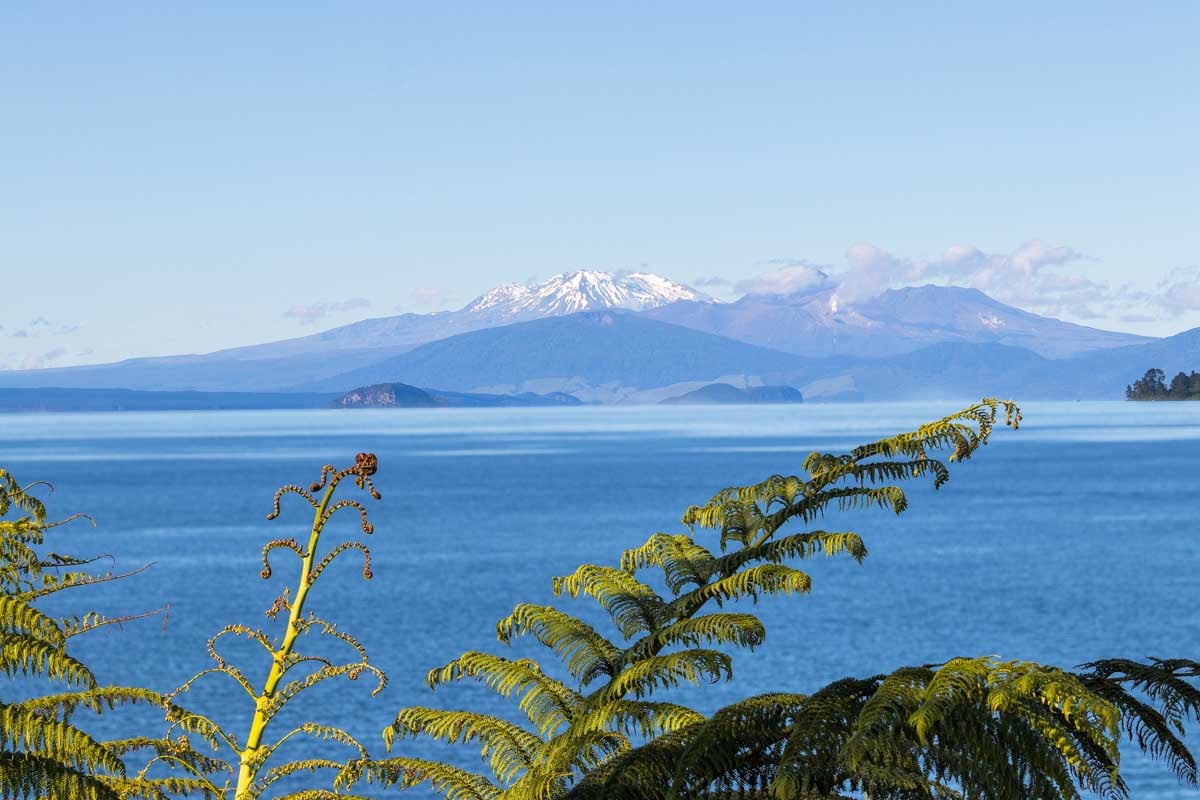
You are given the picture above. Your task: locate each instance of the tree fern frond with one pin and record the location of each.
(586, 653)
(450, 782)
(546, 702)
(28, 655)
(27, 776)
(633, 606)
(509, 748)
(740, 630)
(694, 666)
(797, 545)
(767, 579)
(103, 698)
(682, 560)
(23, 730)
(19, 617)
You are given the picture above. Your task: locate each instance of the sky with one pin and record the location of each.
(182, 178)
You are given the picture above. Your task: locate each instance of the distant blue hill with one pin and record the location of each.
(727, 394)
(622, 356)
(865, 348)
(401, 395)
(59, 399)
(601, 348)
(595, 347)
(70, 400)
(959, 370)
(207, 373)
(820, 324)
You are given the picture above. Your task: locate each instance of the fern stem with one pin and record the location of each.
(250, 764)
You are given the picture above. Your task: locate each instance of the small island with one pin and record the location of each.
(1153, 386)
(402, 395)
(727, 394)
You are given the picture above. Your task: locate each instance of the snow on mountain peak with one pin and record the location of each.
(581, 290)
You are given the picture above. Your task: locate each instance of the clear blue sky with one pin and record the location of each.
(177, 177)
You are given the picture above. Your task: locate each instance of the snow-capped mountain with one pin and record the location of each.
(817, 325)
(567, 293)
(582, 290)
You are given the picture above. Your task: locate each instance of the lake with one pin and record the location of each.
(1074, 538)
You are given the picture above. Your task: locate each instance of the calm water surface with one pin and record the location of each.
(1072, 539)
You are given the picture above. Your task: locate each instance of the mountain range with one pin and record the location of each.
(641, 338)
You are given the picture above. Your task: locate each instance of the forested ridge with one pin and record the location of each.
(1153, 386)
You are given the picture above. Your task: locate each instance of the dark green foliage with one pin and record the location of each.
(969, 728)
(42, 752)
(577, 727)
(1153, 386)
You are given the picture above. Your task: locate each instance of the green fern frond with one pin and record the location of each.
(585, 651)
(664, 671)
(740, 630)
(766, 579)
(23, 654)
(24, 730)
(19, 617)
(451, 782)
(681, 559)
(546, 702)
(27, 776)
(509, 748)
(634, 607)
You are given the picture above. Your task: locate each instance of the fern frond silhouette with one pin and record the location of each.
(42, 752)
(291, 671)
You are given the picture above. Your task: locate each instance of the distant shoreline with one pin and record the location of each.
(64, 400)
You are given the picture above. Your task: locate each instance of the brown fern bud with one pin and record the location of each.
(366, 464)
(265, 573)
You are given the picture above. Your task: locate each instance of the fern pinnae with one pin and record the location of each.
(74, 626)
(586, 653)
(452, 782)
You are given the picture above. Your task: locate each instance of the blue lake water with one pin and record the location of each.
(1072, 539)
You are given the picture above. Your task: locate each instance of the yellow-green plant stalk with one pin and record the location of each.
(253, 776)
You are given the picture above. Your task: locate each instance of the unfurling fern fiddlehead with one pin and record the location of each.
(291, 672)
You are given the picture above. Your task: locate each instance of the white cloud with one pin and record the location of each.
(40, 325)
(430, 296)
(1029, 276)
(41, 360)
(793, 277)
(309, 314)
(1177, 293)
(1047, 278)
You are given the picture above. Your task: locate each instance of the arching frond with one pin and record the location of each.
(31, 777)
(546, 702)
(634, 607)
(451, 782)
(22, 730)
(586, 653)
(510, 748)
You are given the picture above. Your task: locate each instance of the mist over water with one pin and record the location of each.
(1071, 539)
